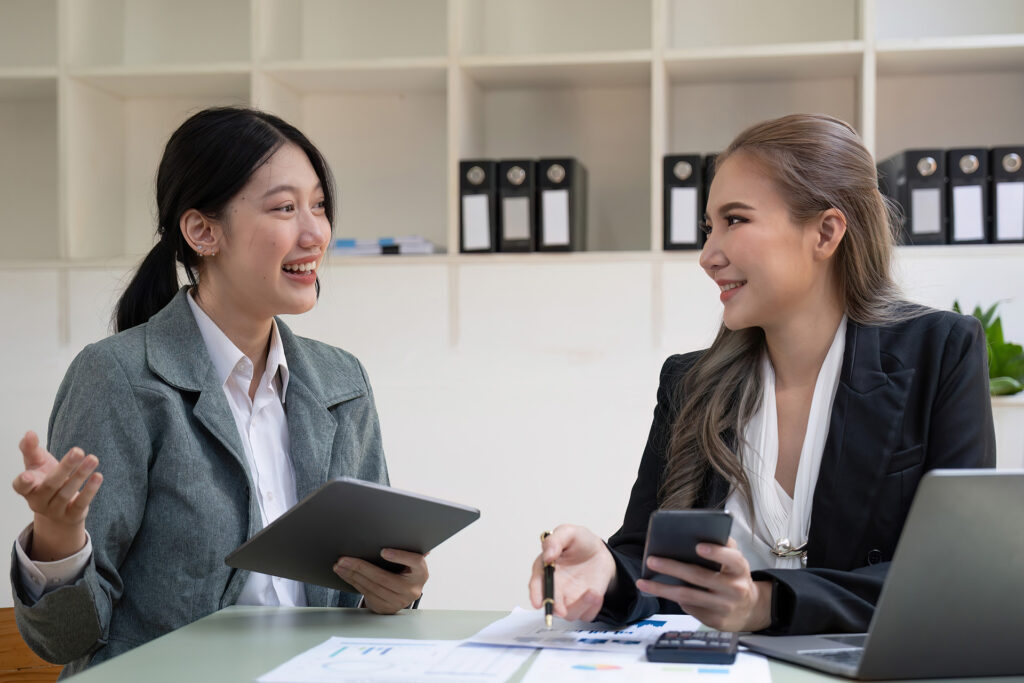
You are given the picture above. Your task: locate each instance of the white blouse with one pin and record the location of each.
(780, 517)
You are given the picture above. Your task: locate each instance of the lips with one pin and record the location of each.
(729, 288)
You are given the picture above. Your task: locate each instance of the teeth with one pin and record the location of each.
(301, 267)
(732, 285)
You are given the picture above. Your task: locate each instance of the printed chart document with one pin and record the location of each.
(380, 659)
(568, 666)
(525, 628)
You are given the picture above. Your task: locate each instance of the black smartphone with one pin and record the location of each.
(675, 534)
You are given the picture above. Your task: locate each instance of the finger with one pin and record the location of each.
(369, 586)
(67, 493)
(377, 600)
(32, 453)
(26, 482)
(394, 582)
(535, 585)
(729, 557)
(595, 607)
(59, 476)
(691, 573)
(583, 606)
(80, 505)
(684, 596)
(561, 538)
(403, 557)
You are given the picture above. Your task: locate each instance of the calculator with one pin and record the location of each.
(697, 647)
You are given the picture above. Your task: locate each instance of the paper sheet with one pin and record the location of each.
(566, 666)
(435, 661)
(525, 628)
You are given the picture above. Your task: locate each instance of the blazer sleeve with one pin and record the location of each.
(960, 435)
(623, 603)
(97, 410)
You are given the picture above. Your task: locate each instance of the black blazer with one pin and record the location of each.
(912, 397)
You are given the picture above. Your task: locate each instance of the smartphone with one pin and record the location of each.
(676, 533)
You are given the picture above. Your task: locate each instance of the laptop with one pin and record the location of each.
(953, 601)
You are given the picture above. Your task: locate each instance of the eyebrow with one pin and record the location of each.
(288, 188)
(731, 206)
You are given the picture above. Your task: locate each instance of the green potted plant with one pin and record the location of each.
(1005, 359)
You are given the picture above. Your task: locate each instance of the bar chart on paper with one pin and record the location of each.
(438, 661)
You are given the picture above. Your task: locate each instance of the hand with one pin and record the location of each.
(732, 602)
(59, 493)
(584, 568)
(386, 592)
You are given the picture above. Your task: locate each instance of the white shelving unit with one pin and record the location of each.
(397, 91)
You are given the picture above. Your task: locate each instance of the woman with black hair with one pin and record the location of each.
(204, 418)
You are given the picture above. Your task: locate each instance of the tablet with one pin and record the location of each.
(352, 518)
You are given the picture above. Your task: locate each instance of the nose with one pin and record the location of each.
(712, 258)
(315, 231)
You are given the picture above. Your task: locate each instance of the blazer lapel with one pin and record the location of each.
(863, 432)
(175, 352)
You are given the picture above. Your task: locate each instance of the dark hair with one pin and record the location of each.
(206, 162)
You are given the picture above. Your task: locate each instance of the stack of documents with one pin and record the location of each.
(569, 651)
(411, 244)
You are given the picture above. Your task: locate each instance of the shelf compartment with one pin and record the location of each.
(738, 23)
(564, 70)
(158, 32)
(705, 117)
(388, 151)
(114, 146)
(766, 62)
(528, 27)
(902, 19)
(608, 128)
(951, 55)
(429, 74)
(28, 84)
(333, 30)
(28, 33)
(28, 169)
(951, 110)
(169, 81)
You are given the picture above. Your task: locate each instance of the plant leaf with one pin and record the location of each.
(1004, 386)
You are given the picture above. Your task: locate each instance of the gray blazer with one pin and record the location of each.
(177, 494)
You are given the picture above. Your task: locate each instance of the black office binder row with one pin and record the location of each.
(687, 178)
(966, 195)
(519, 205)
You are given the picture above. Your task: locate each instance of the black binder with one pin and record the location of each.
(709, 174)
(517, 197)
(916, 181)
(683, 185)
(967, 195)
(478, 212)
(562, 205)
(1007, 169)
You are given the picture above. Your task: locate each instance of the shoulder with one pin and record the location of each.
(677, 367)
(335, 373)
(121, 354)
(931, 332)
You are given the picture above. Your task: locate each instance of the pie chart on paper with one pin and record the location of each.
(597, 667)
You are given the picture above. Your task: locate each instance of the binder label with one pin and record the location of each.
(1010, 211)
(968, 214)
(684, 216)
(555, 206)
(515, 218)
(475, 222)
(926, 211)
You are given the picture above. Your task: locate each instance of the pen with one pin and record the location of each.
(549, 586)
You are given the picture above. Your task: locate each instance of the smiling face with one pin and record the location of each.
(768, 267)
(270, 239)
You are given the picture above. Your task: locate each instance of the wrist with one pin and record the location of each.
(49, 542)
(761, 616)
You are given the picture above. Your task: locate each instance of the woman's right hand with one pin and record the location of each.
(584, 569)
(59, 493)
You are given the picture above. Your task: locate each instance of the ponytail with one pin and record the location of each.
(152, 287)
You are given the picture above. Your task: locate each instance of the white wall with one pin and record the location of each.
(520, 386)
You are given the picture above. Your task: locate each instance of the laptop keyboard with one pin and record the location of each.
(846, 656)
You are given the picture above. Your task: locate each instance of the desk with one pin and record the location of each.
(241, 643)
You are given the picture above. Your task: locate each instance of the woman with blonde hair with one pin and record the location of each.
(821, 403)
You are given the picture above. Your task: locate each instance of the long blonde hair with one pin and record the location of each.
(817, 162)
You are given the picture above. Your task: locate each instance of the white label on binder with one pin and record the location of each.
(555, 207)
(968, 214)
(476, 231)
(515, 218)
(1010, 211)
(926, 211)
(684, 216)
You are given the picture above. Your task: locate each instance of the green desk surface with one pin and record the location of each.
(242, 643)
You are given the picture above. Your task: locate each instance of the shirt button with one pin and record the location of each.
(874, 556)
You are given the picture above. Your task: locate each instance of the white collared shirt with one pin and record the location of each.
(263, 431)
(779, 516)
